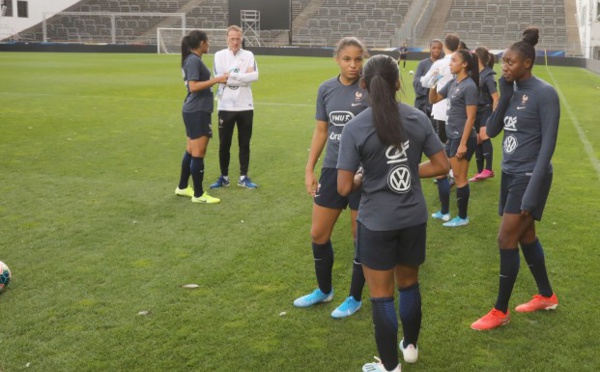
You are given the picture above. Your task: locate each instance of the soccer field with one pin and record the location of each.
(90, 152)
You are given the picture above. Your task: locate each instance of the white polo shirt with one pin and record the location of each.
(236, 95)
(442, 67)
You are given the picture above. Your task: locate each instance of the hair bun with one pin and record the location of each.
(531, 35)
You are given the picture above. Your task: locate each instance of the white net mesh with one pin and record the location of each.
(168, 40)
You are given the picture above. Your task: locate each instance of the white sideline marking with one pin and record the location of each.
(141, 98)
(582, 137)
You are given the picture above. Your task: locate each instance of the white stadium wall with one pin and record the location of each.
(10, 25)
(588, 19)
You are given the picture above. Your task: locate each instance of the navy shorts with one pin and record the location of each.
(383, 250)
(453, 143)
(512, 189)
(197, 124)
(327, 195)
(482, 116)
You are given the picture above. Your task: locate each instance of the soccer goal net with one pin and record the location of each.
(168, 40)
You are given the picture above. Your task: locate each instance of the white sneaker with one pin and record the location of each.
(410, 353)
(379, 367)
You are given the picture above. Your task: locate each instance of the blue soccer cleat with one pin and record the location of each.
(221, 182)
(246, 182)
(347, 308)
(317, 296)
(456, 222)
(440, 216)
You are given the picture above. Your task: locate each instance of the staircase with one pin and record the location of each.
(435, 29)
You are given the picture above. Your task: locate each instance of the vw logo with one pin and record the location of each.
(510, 144)
(399, 179)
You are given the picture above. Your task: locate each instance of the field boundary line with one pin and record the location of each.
(589, 149)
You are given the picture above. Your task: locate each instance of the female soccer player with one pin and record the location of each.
(197, 110)
(462, 93)
(529, 112)
(488, 100)
(339, 99)
(388, 140)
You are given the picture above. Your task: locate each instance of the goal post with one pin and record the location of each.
(168, 39)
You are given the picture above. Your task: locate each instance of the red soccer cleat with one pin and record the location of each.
(494, 319)
(539, 302)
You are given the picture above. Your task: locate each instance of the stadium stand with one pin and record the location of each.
(321, 23)
(375, 22)
(497, 23)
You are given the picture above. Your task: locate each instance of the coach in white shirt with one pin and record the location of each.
(439, 74)
(235, 105)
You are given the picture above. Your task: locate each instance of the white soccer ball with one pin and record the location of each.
(4, 275)
(411, 72)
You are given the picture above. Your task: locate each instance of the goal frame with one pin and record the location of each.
(182, 31)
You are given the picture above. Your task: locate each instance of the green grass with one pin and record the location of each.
(90, 150)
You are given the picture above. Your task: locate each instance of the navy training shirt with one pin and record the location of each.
(460, 95)
(529, 118)
(195, 70)
(391, 195)
(337, 104)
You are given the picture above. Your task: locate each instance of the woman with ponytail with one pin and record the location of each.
(380, 154)
(528, 112)
(488, 100)
(197, 110)
(462, 93)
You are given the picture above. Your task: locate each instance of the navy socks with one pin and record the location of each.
(534, 255)
(462, 200)
(488, 153)
(444, 194)
(197, 171)
(479, 157)
(385, 322)
(409, 308)
(185, 171)
(323, 255)
(509, 269)
(358, 280)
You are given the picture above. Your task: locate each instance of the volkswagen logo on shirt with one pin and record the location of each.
(399, 179)
(510, 144)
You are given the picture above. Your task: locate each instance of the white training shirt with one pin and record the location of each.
(242, 69)
(442, 67)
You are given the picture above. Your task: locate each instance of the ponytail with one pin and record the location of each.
(185, 49)
(381, 78)
(190, 42)
(486, 58)
(472, 64)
